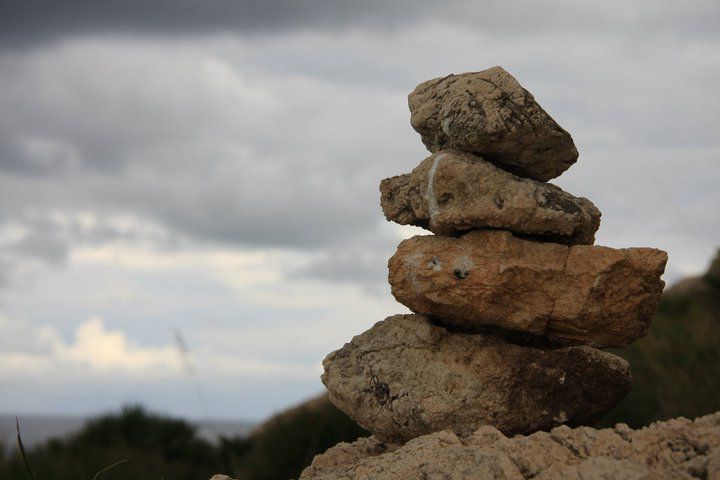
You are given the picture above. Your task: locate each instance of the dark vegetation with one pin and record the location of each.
(676, 370)
(282, 446)
(156, 447)
(152, 445)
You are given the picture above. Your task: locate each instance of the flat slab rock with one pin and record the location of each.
(407, 377)
(490, 114)
(452, 192)
(581, 294)
(673, 450)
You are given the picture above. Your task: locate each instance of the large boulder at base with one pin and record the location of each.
(490, 114)
(581, 294)
(451, 192)
(672, 450)
(407, 377)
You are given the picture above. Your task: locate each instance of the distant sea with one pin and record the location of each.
(36, 429)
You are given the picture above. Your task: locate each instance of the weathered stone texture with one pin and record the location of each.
(490, 114)
(407, 377)
(673, 450)
(581, 294)
(452, 192)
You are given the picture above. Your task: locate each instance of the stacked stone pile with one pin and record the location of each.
(512, 302)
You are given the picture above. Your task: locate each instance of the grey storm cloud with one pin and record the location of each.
(32, 21)
(278, 134)
(5, 269)
(189, 142)
(44, 244)
(360, 261)
(39, 20)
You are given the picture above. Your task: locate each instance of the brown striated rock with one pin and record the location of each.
(582, 294)
(673, 450)
(451, 192)
(407, 377)
(490, 114)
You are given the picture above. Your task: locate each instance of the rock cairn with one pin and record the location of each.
(512, 302)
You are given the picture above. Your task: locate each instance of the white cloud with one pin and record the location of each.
(96, 349)
(104, 350)
(93, 347)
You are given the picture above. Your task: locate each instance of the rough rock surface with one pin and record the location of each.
(673, 450)
(490, 114)
(581, 294)
(407, 377)
(452, 191)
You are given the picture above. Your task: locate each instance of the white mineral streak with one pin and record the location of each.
(433, 207)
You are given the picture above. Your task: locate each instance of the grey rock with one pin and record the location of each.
(407, 377)
(490, 114)
(451, 192)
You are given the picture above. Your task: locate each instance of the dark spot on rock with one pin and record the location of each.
(445, 198)
(415, 419)
(523, 339)
(554, 200)
(461, 273)
(499, 202)
(380, 391)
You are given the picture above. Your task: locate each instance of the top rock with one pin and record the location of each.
(490, 114)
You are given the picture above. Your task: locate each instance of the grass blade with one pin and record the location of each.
(22, 450)
(108, 468)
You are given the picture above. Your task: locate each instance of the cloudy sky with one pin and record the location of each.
(210, 171)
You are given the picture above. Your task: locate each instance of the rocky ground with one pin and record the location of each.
(677, 449)
(673, 450)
